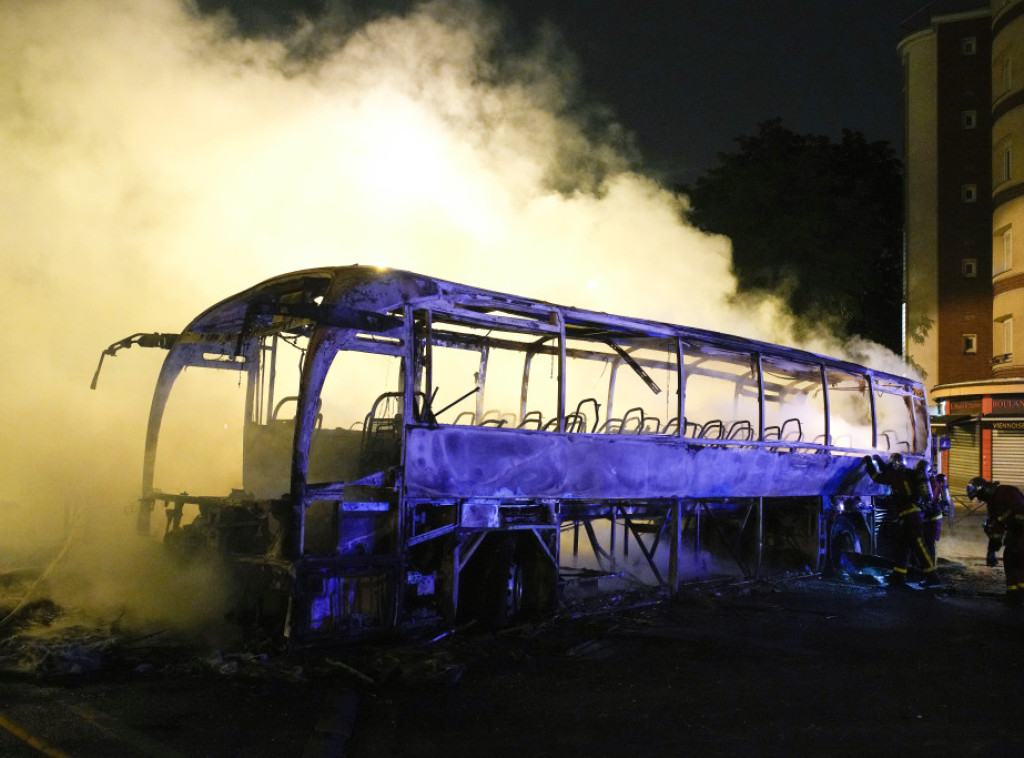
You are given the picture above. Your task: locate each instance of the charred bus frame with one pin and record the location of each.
(485, 446)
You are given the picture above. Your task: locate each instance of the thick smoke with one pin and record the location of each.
(154, 164)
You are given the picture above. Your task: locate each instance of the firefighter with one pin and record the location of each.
(1004, 528)
(934, 501)
(908, 518)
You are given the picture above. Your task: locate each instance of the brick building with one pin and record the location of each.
(964, 111)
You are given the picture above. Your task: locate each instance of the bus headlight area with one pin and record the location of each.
(378, 450)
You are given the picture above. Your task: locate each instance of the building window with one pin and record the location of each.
(1008, 249)
(969, 267)
(969, 193)
(970, 343)
(969, 45)
(1002, 340)
(968, 119)
(1007, 162)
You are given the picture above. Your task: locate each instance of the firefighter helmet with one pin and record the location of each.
(980, 488)
(896, 460)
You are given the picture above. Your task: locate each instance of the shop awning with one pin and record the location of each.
(954, 419)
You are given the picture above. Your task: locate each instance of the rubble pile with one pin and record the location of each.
(73, 651)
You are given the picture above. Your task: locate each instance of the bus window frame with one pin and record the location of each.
(550, 323)
(423, 360)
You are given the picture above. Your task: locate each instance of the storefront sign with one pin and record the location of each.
(1011, 405)
(963, 406)
(1009, 425)
(1005, 405)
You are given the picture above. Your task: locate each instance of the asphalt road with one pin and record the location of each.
(784, 667)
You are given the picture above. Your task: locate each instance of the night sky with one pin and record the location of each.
(685, 77)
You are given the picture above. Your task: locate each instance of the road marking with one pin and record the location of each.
(30, 739)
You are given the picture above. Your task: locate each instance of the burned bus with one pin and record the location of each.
(371, 450)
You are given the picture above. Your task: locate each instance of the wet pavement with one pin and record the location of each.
(784, 666)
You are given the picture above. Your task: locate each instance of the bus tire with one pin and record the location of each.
(505, 590)
(842, 538)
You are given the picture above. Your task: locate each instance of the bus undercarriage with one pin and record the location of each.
(498, 562)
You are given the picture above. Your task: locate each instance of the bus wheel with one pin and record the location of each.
(505, 586)
(842, 538)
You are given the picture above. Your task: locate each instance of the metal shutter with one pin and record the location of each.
(964, 457)
(1008, 456)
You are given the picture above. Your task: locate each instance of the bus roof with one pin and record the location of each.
(354, 295)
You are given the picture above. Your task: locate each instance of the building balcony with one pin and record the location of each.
(1003, 367)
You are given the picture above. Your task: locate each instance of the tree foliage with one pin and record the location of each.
(818, 222)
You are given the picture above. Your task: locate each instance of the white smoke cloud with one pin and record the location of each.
(153, 164)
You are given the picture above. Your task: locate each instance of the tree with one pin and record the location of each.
(818, 222)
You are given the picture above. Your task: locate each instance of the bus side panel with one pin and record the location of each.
(468, 461)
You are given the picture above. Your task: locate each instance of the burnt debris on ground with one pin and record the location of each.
(39, 638)
(777, 665)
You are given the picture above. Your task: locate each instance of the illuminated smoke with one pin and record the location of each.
(153, 164)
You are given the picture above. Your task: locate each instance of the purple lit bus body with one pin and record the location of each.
(415, 451)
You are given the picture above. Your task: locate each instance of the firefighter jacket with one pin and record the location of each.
(1005, 513)
(937, 500)
(903, 484)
